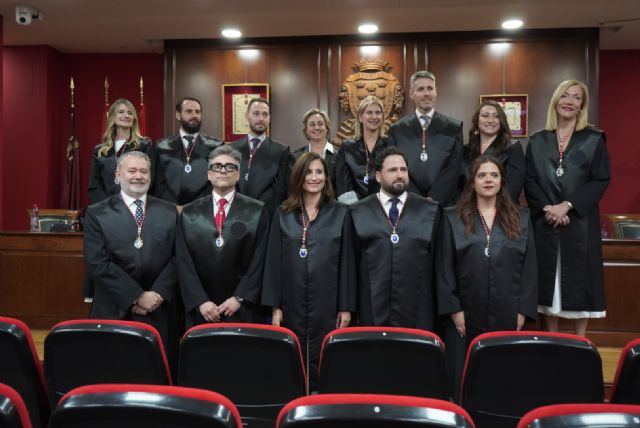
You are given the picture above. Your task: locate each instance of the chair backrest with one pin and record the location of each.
(21, 369)
(13, 411)
(596, 415)
(371, 410)
(384, 360)
(507, 374)
(259, 367)
(624, 226)
(86, 352)
(144, 406)
(626, 384)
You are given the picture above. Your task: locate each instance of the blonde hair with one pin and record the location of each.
(366, 102)
(308, 114)
(109, 135)
(552, 114)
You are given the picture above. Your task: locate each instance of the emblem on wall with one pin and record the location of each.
(370, 77)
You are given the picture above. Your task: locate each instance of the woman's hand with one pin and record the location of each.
(458, 320)
(521, 319)
(276, 317)
(343, 319)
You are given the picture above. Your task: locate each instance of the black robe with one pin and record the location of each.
(514, 164)
(175, 185)
(102, 170)
(491, 291)
(211, 273)
(270, 169)
(121, 272)
(329, 158)
(586, 176)
(395, 281)
(312, 290)
(350, 168)
(437, 177)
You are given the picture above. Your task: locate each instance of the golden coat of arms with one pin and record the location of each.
(370, 77)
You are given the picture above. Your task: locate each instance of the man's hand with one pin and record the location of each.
(229, 307)
(137, 310)
(276, 317)
(343, 319)
(149, 301)
(458, 320)
(209, 312)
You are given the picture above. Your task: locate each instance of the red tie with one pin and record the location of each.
(220, 215)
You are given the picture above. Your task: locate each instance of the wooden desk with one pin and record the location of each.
(41, 277)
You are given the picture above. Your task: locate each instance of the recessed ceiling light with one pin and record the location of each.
(512, 24)
(368, 28)
(231, 33)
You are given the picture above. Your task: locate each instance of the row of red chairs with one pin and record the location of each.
(123, 406)
(260, 367)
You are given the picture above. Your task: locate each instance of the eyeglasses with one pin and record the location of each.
(229, 167)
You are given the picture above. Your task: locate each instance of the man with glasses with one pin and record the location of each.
(220, 247)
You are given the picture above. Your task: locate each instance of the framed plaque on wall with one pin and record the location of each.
(516, 107)
(235, 100)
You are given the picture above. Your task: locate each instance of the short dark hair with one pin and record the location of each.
(181, 102)
(258, 100)
(389, 151)
(225, 150)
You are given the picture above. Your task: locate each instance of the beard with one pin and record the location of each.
(190, 127)
(257, 131)
(395, 189)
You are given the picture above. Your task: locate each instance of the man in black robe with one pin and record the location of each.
(266, 163)
(220, 247)
(129, 249)
(394, 231)
(432, 142)
(181, 160)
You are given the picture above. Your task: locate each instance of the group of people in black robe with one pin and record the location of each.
(400, 230)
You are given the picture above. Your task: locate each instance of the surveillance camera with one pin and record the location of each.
(26, 14)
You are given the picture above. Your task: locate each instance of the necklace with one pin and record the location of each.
(304, 251)
(487, 231)
(563, 142)
(394, 237)
(366, 162)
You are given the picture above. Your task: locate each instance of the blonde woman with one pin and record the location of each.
(568, 172)
(122, 134)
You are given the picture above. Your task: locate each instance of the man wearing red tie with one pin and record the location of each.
(220, 247)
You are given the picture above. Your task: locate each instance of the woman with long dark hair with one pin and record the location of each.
(490, 135)
(486, 276)
(355, 172)
(122, 134)
(309, 280)
(568, 172)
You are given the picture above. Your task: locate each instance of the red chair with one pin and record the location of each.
(21, 369)
(384, 360)
(86, 352)
(141, 406)
(507, 374)
(582, 415)
(259, 367)
(371, 410)
(13, 411)
(626, 384)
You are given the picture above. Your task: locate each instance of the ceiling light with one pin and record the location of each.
(231, 33)
(512, 24)
(368, 28)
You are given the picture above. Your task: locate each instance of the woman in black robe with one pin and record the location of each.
(355, 172)
(490, 135)
(315, 128)
(122, 134)
(309, 281)
(568, 172)
(486, 279)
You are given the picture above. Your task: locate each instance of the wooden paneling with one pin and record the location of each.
(307, 72)
(41, 280)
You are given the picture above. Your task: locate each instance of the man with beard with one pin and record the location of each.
(220, 247)
(129, 249)
(181, 160)
(266, 164)
(432, 141)
(394, 232)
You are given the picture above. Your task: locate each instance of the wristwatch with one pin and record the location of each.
(238, 299)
